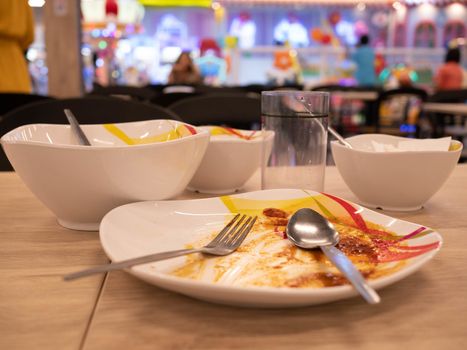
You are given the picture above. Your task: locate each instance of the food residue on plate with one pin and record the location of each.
(268, 258)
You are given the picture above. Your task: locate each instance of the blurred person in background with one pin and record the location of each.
(184, 71)
(364, 57)
(450, 75)
(16, 34)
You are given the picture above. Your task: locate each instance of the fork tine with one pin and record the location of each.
(224, 231)
(222, 240)
(241, 237)
(229, 240)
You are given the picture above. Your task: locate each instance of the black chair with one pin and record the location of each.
(329, 88)
(126, 92)
(405, 115)
(88, 110)
(206, 89)
(235, 110)
(10, 101)
(157, 88)
(343, 110)
(445, 123)
(449, 96)
(167, 99)
(257, 88)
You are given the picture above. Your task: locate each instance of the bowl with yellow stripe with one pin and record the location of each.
(232, 157)
(127, 162)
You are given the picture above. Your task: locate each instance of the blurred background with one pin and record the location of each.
(135, 42)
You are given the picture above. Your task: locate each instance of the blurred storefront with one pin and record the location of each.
(135, 42)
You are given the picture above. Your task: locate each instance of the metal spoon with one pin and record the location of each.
(76, 128)
(309, 229)
(339, 137)
(330, 128)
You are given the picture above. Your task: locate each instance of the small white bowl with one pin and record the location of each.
(80, 184)
(399, 181)
(230, 160)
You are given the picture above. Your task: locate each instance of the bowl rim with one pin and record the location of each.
(335, 143)
(6, 139)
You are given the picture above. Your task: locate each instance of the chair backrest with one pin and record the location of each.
(125, 92)
(218, 90)
(449, 96)
(406, 110)
(407, 90)
(165, 100)
(10, 101)
(235, 110)
(88, 110)
(328, 87)
(257, 88)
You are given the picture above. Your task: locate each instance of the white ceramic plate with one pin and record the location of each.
(147, 227)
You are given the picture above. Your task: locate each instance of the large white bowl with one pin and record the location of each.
(80, 184)
(230, 160)
(400, 181)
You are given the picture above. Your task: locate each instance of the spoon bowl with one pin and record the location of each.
(309, 229)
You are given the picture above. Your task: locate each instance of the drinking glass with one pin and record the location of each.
(299, 120)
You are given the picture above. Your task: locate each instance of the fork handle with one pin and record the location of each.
(130, 262)
(342, 262)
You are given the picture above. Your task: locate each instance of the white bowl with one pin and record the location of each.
(400, 181)
(80, 184)
(230, 160)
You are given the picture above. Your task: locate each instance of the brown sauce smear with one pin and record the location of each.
(355, 246)
(276, 217)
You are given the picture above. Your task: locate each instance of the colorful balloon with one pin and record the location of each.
(111, 7)
(326, 39)
(316, 34)
(334, 17)
(360, 28)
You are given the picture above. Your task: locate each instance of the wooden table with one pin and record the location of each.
(427, 310)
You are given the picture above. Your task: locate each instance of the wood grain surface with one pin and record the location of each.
(38, 310)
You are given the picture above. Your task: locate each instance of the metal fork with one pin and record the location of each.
(226, 242)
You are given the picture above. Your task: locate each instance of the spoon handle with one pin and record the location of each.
(339, 137)
(342, 262)
(76, 128)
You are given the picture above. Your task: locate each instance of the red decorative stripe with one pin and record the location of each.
(235, 132)
(249, 137)
(424, 247)
(404, 252)
(190, 129)
(357, 218)
(414, 233)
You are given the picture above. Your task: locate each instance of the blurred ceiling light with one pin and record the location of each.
(32, 54)
(36, 3)
(397, 5)
(215, 6)
(361, 7)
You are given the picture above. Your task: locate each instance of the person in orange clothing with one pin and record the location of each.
(16, 34)
(450, 74)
